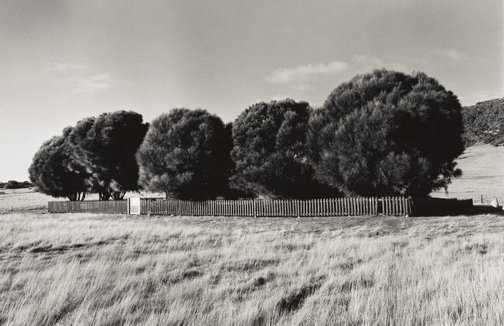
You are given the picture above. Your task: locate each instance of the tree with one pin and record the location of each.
(51, 173)
(106, 147)
(185, 155)
(270, 152)
(387, 133)
(13, 184)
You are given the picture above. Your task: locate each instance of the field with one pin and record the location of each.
(84, 269)
(114, 270)
(483, 174)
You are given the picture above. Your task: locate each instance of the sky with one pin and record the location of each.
(61, 61)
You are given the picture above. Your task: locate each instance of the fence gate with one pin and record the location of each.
(134, 206)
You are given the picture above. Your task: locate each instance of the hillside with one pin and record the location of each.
(483, 122)
(483, 175)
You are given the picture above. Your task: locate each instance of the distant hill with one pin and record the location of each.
(484, 123)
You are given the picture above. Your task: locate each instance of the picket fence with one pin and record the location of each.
(89, 206)
(350, 206)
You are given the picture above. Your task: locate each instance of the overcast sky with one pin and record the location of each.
(64, 60)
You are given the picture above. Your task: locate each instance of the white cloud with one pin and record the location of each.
(301, 73)
(87, 84)
(64, 68)
(74, 75)
(367, 63)
(280, 97)
(450, 54)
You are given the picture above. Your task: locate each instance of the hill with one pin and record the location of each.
(484, 122)
(483, 175)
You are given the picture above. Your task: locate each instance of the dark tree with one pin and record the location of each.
(270, 152)
(13, 184)
(51, 170)
(484, 123)
(185, 155)
(106, 147)
(387, 133)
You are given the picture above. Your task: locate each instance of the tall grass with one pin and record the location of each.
(112, 270)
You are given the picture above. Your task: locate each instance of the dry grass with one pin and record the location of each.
(112, 270)
(483, 174)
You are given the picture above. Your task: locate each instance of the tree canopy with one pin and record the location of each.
(387, 133)
(270, 153)
(52, 173)
(484, 122)
(106, 147)
(185, 155)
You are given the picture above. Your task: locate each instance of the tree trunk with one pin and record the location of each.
(104, 195)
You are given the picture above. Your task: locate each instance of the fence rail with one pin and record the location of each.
(351, 206)
(89, 206)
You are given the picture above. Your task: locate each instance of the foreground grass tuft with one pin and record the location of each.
(115, 270)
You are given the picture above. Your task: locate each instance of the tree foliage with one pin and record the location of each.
(14, 184)
(270, 152)
(106, 147)
(387, 133)
(185, 155)
(51, 170)
(484, 122)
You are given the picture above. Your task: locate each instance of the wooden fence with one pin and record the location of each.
(89, 206)
(351, 206)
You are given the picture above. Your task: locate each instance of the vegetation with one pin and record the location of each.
(13, 184)
(270, 154)
(53, 171)
(484, 123)
(185, 155)
(107, 270)
(97, 155)
(106, 146)
(382, 133)
(387, 133)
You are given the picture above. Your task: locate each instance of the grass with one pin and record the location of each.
(88, 269)
(482, 175)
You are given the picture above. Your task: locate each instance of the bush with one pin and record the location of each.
(185, 155)
(387, 133)
(106, 147)
(12, 184)
(52, 172)
(270, 153)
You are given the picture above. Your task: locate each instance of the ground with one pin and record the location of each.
(483, 175)
(84, 269)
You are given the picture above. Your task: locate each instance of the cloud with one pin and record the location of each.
(280, 97)
(366, 63)
(88, 84)
(450, 54)
(304, 72)
(64, 68)
(79, 79)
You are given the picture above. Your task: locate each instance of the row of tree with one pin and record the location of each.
(382, 133)
(13, 184)
(96, 155)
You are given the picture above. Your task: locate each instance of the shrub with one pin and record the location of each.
(185, 155)
(387, 133)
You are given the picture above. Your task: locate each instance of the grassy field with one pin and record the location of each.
(85, 269)
(116, 270)
(483, 174)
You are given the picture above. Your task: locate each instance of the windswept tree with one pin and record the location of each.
(270, 153)
(52, 172)
(185, 155)
(387, 133)
(106, 146)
